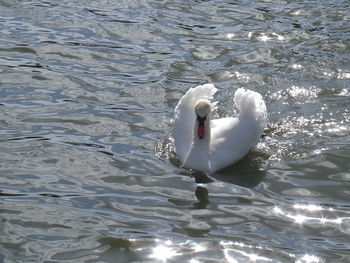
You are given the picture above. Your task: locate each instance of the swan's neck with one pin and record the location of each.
(198, 139)
(198, 156)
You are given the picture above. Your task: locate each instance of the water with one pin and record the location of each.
(88, 171)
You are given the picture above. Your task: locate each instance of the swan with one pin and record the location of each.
(208, 145)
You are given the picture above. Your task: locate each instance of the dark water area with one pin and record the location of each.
(88, 171)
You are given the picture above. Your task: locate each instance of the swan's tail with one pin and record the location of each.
(251, 102)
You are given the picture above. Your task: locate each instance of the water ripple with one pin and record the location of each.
(88, 167)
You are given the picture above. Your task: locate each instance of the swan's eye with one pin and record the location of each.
(201, 119)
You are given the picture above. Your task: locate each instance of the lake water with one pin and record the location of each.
(88, 171)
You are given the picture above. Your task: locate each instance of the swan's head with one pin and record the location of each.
(202, 110)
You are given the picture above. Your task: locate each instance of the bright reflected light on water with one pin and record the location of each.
(296, 66)
(264, 38)
(344, 75)
(228, 257)
(339, 74)
(230, 35)
(234, 250)
(249, 256)
(278, 210)
(167, 250)
(308, 207)
(345, 92)
(297, 92)
(198, 248)
(300, 218)
(308, 259)
(279, 37)
(163, 252)
(338, 221)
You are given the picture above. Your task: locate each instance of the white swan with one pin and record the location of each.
(208, 145)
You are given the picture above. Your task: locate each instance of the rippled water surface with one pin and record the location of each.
(88, 171)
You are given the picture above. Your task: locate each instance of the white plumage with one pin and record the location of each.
(208, 145)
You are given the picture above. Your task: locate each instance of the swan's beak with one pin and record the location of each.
(201, 126)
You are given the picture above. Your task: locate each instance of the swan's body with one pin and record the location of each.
(208, 145)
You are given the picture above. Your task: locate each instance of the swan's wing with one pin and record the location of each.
(185, 117)
(231, 138)
(251, 103)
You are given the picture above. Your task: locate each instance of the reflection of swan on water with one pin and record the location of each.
(247, 172)
(209, 145)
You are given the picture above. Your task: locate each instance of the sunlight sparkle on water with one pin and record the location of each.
(163, 252)
(198, 248)
(231, 249)
(344, 75)
(264, 38)
(309, 208)
(279, 37)
(278, 210)
(229, 258)
(299, 219)
(308, 259)
(252, 257)
(230, 35)
(296, 66)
